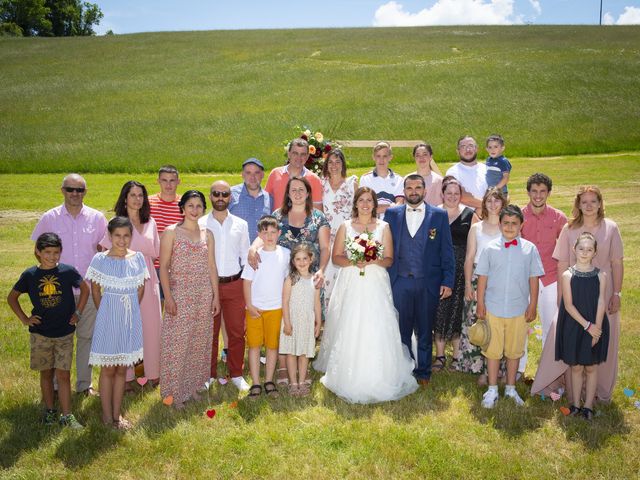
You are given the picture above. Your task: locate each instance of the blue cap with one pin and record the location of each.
(255, 161)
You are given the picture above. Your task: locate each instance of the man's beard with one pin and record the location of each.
(469, 160)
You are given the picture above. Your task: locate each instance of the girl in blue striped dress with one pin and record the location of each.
(117, 285)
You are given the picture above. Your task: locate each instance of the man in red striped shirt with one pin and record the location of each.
(164, 205)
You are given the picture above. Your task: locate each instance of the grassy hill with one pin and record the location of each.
(207, 100)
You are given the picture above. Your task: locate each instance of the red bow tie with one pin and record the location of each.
(513, 242)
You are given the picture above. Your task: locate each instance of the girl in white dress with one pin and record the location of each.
(301, 319)
(361, 352)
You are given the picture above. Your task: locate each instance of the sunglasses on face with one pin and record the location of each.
(220, 194)
(74, 189)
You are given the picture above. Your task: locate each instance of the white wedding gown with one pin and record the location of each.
(361, 352)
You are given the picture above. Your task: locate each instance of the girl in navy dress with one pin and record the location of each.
(117, 284)
(582, 330)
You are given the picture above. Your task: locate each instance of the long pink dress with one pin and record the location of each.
(550, 374)
(148, 243)
(186, 337)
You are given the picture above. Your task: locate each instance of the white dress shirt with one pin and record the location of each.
(415, 217)
(231, 242)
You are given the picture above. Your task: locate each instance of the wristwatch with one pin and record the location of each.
(618, 294)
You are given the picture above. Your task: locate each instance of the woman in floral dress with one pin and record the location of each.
(337, 202)
(189, 280)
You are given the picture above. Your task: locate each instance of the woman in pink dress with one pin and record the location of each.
(337, 202)
(588, 216)
(190, 283)
(133, 203)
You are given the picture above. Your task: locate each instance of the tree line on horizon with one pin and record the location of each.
(48, 18)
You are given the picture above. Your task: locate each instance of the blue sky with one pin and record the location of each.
(128, 16)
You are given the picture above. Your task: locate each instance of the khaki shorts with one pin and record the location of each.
(507, 337)
(48, 353)
(264, 330)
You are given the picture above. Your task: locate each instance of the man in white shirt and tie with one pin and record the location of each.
(231, 235)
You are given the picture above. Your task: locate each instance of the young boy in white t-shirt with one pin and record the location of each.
(263, 296)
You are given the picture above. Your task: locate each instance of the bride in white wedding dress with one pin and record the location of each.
(361, 352)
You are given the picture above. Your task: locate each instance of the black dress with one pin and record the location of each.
(448, 323)
(573, 343)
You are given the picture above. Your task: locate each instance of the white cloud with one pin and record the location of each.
(449, 12)
(608, 19)
(536, 6)
(630, 16)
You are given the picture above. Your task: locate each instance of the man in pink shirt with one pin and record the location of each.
(80, 228)
(279, 177)
(542, 226)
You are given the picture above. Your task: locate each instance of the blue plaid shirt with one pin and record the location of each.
(248, 208)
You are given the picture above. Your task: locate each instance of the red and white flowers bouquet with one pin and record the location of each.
(363, 248)
(319, 147)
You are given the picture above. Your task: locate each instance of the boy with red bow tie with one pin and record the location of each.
(508, 271)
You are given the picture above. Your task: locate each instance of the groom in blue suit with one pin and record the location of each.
(423, 268)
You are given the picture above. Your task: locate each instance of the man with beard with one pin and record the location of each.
(231, 235)
(423, 268)
(471, 174)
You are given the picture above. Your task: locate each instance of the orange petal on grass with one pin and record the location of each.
(233, 405)
(565, 411)
(168, 400)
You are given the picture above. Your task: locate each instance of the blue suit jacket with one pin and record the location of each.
(439, 263)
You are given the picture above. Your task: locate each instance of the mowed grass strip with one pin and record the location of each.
(208, 100)
(440, 432)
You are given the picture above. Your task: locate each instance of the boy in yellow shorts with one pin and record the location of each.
(263, 296)
(508, 271)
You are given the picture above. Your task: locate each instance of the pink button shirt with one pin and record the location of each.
(543, 230)
(80, 236)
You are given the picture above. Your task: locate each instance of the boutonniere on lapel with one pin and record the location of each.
(432, 233)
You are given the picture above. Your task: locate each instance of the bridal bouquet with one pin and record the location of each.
(363, 248)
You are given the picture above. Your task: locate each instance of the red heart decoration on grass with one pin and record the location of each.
(168, 400)
(142, 381)
(211, 413)
(555, 396)
(565, 411)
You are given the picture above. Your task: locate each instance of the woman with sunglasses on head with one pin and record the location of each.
(133, 203)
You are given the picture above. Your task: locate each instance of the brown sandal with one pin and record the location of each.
(439, 363)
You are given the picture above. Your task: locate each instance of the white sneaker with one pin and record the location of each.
(240, 384)
(490, 398)
(514, 395)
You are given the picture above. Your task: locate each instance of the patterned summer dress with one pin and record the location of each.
(185, 360)
(117, 336)
(302, 315)
(448, 322)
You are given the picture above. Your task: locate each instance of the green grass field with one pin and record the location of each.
(441, 432)
(115, 108)
(208, 100)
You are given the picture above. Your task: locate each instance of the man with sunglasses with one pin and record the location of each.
(80, 228)
(231, 235)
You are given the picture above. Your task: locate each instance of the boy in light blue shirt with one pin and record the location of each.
(508, 271)
(498, 166)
